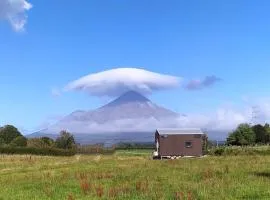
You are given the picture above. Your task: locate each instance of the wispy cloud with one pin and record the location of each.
(198, 84)
(14, 11)
(56, 92)
(115, 82)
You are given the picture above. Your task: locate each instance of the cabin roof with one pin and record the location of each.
(179, 131)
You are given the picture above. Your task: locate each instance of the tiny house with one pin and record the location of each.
(174, 143)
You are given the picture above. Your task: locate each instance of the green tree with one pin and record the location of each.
(243, 135)
(9, 133)
(267, 133)
(43, 142)
(260, 133)
(48, 142)
(232, 140)
(2, 142)
(19, 141)
(65, 140)
(205, 143)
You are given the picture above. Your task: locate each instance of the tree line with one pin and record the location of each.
(13, 142)
(10, 136)
(246, 134)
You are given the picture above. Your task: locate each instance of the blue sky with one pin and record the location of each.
(64, 41)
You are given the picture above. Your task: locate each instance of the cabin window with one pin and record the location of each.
(188, 144)
(197, 136)
(164, 136)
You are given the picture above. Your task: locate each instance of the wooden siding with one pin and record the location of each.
(174, 145)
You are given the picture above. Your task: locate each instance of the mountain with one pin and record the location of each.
(130, 105)
(130, 113)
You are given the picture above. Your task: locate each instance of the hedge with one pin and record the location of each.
(37, 151)
(135, 148)
(230, 151)
(95, 150)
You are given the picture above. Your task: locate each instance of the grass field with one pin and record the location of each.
(133, 175)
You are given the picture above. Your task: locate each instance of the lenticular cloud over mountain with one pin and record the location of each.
(132, 113)
(117, 81)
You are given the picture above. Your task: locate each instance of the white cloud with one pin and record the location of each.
(114, 82)
(261, 110)
(220, 120)
(198, 84)
(218, 123)
(14, 11)
(228, 119)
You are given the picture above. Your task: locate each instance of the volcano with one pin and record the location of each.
(130, 105)
(130, 113)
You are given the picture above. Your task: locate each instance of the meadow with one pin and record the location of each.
(133, 175)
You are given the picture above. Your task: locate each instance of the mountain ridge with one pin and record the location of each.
(127, 97)
(130, 105)
(129, 113)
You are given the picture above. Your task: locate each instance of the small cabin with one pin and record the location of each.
(173, 143)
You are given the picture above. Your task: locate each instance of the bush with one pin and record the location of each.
(236, 151)
(37, 151)
(48, 142)
(19, 141)
(219, 151)
(43, 142)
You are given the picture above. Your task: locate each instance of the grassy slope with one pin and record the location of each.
(132, 175)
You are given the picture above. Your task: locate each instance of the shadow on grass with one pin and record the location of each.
(262, 174)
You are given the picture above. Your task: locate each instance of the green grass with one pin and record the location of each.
(133, 175)
(134, 152)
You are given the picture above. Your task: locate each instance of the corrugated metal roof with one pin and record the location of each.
(179, 131)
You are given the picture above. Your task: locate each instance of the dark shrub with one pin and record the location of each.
(219, 151)
(19, 141)
(37, 151)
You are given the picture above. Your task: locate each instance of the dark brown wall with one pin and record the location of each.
(174, 145)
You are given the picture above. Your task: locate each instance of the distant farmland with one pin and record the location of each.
(133, 175)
